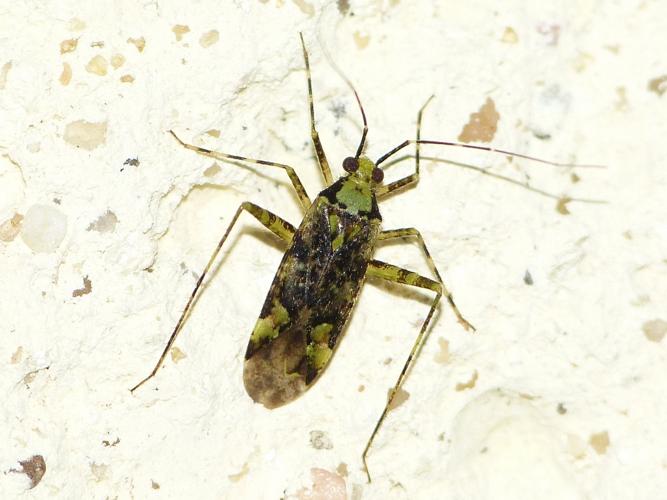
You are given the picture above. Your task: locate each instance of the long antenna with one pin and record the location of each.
(480, 148)
(356, 95)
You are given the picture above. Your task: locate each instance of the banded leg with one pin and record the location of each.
(296, 182)
(411, 231)
(414, 177)
(397, 274)
(280, 227)
(321, 156)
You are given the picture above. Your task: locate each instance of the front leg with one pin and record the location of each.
(412, 232)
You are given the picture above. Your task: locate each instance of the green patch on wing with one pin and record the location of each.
(321, 332)
(334, 221)
(338, 242)
(268, 328)
(337, 237)
(318, 355)
(352, 231)
(318, 351)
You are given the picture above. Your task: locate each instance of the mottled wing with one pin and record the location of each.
(309, 302)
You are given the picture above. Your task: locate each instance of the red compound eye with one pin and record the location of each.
(350, 164)
(377, 175)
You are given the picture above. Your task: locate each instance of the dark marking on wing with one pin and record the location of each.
(309, 302)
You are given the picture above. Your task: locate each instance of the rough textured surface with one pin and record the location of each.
(559, 391)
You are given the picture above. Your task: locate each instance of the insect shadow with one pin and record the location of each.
(327, 259)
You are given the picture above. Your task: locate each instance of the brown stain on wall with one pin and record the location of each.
(482, 125)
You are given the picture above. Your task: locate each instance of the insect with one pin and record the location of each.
(321, 273)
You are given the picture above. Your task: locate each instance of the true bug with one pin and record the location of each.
(327, 259)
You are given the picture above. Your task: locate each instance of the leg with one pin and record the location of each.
(411, 231)
(396, 274)
(296, 182)
(321, 157)
(281, 228)
(412, 178)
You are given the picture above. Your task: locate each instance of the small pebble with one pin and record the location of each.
(44, 228)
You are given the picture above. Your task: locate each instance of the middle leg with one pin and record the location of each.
(412, 232)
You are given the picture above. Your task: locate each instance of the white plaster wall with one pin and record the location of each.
(559, 394)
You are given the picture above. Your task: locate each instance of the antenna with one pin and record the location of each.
(356, 95)
(480, 148)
